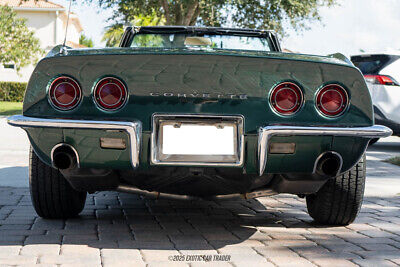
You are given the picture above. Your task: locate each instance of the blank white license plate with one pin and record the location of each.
(189, 139)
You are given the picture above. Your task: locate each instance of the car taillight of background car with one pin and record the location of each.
(380, 79)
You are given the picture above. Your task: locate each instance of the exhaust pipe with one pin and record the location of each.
(328, 164)
(64, 156)
(158, 195)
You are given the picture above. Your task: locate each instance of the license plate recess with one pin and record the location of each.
(193, 140)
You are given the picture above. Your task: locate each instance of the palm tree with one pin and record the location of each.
(113, 33)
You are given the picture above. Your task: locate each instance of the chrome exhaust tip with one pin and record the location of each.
(64, 156)
(328, 164)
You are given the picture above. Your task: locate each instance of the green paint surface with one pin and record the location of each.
(213, 82)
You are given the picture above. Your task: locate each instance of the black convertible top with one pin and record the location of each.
(130, 32)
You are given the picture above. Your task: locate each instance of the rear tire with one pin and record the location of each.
(339, 201)
(52, 196)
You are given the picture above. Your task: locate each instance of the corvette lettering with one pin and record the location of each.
(200, 95)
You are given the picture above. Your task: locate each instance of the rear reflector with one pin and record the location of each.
(282, 148)
(380, 79)
(332, 100)
(286, 98)
(113, 143)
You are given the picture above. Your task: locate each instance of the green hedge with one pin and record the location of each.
(12, 91)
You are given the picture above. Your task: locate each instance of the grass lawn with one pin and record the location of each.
(395, 161)
(10, 108)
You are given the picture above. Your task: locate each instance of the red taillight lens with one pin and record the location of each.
(110, 93)
(286, 98)
(332, 100)
(65, 93)
(380, 79)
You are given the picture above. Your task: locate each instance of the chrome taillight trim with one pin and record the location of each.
(133, 129)
(97, 98)
(317, 105)
(74, 83)
(300, 101)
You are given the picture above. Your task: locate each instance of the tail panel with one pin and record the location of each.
(200, 84)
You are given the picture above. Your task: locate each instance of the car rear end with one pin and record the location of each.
(382, 74)
(189, 113)
(161, 119)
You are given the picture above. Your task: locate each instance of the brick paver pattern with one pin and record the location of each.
(118, 229)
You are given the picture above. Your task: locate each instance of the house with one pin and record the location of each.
(48, 20)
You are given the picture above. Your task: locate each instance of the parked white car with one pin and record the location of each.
(382, 74)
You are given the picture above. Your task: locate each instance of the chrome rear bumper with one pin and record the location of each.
(265, 133)
(133, 129)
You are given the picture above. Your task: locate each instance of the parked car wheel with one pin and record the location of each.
(339, 200)
(52, 196)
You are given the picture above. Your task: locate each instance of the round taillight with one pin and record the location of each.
(65, 93)
(332, 100)
(110, 93)
(286, 98)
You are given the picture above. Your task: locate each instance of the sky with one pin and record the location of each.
(354, 25)
(370, 25)
(93, 19)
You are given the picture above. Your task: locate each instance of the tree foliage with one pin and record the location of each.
(86, 41)
(275, 15)
(113, 33)
(17, 43)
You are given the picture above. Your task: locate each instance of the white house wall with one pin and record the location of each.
(43, 23)
(49, 28)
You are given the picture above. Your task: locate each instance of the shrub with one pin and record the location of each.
(12, 91)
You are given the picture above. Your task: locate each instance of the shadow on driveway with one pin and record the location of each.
(124, 221)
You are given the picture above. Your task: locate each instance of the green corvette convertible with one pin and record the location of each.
(198, 113)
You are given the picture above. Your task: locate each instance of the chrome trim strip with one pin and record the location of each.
(133, 129)
(201, 119)
(68, 145)
(265, 133)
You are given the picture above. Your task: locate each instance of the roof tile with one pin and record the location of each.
(30, 4)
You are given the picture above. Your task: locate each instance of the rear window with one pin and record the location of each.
(204, 41)
(372, 64)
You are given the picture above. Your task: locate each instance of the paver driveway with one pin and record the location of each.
(126, 230)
